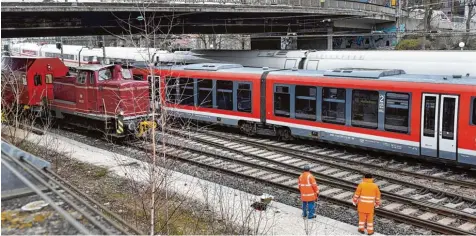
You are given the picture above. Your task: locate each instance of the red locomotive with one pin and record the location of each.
(386, 110)
(99, 97)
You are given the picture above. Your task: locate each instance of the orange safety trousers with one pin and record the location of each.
(366, 218)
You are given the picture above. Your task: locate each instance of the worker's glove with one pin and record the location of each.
(377, 206)
(354, 203)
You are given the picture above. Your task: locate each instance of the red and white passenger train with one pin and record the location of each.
(386, 110)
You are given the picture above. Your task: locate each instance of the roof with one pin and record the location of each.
(382, 75)
(94, 67)
(345, 73)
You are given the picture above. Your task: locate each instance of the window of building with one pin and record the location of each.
(171, 89)
(37, 79)
(49, 78)
(225, 95)
(474, 112)
(429, 117)
(365, 109)
(333, 105)
(244, 97)
(397, 112)
(305, 103)
(186, 94)
(205, 96)
(282, 101)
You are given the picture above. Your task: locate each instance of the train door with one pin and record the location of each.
(157, 91)
(92, 91)
(81, 91)
(439, 126)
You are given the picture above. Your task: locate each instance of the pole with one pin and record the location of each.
(62, 56)
(398, 11)
(103, 50)
(79, 56)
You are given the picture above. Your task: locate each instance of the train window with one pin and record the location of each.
(429, 122)
(49, 78)
(225, 95)
(282, 101)
(448, 125)
(186, 93)
(171, 89)
(244, 97)
(333, 105)
(137, 77)
(474, 111)
(91, 80)
(205, 95)
(82, 77)
(37, 79)
(104, 74)
(305, 103)
(396, 112)
(365, 109)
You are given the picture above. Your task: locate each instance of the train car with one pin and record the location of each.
(384, 110)
(76, 55)
(28, 81)
(413, 62)
(103, 97)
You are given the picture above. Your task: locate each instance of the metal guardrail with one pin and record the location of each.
(364, 5)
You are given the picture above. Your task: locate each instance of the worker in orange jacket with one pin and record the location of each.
(309, 192)
(367, 197)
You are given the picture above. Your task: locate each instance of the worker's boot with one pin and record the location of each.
(370, 232)
(361, 231)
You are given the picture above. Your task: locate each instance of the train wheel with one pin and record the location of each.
(285, 134)
(247, 128)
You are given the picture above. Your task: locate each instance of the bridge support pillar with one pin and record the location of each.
(330, 33)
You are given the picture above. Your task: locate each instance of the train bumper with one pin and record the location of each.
(136, 126)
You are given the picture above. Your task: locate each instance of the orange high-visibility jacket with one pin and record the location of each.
(367, 196)
(308, 187)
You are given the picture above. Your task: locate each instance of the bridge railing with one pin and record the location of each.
(382, 6)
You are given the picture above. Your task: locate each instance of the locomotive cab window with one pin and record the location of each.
(225, 95)
(49, 78)
(282, 101)
(82, 77)
(305, 103)
(244, 97)
(186, 93)
(333, 105)
(37, 79)
(205, 96)
(474, 112)
(397, 112)
(365, 109)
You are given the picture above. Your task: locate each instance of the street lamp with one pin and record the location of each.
(461, 45)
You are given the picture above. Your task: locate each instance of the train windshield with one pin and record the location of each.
(105, 74)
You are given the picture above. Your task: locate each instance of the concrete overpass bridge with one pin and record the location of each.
(32, 18)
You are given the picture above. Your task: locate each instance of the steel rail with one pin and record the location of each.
(333, 181)
(120, 228)
(346, 167)
(60, 210)
(389, 214)
(114, 215)
(90, 218)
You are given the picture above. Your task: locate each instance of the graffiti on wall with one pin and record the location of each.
(384, 38)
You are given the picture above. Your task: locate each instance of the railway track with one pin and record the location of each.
(414, 207)
(83, 214)
(446, 177)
